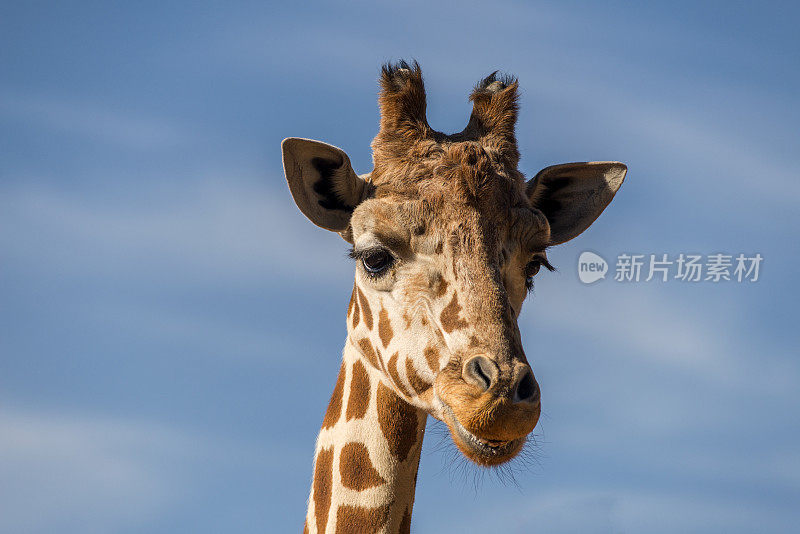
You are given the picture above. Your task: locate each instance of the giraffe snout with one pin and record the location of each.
(480, 371)
(490, 406)
(483, 373)
(526, 388)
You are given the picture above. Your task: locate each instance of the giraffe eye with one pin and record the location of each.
(377, 261)
(532, 268)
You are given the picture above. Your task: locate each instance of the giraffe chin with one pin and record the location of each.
(484, 452)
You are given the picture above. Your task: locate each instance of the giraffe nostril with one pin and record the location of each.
(480, 371)
(527, 389)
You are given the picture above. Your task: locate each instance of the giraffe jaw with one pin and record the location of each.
(482, 451)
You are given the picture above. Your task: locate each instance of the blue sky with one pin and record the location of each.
(171, 325)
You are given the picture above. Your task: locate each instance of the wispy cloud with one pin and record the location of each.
(96, 473)
(231, 231)
(64, 471)
(126, 128)
(610, 510)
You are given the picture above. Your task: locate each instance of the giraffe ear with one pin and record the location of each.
(573, 195)
(322, 182)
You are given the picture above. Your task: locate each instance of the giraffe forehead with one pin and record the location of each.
(437, 223)
(454, 170)
(444, 158)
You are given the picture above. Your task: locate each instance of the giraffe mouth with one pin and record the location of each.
(487, 452)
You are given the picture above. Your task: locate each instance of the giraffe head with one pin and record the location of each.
(447, 236)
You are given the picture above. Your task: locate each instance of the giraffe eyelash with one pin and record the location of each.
(381, 259)
(542, 262)
(354, 254)
(546, 264)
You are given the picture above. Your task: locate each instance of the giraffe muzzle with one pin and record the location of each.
(483, 373)
(489, 412)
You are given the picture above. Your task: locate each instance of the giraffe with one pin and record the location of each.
(447, 236)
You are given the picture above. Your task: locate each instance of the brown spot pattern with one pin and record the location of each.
(449, 317)
(356, 468)
(358, 401)
(419, 385)
(352, 301)
(384, 328)
(365, 309)
(398, 421)
(323, 473)
(405, 524)
(360, 520)
(356, 310)
(369, 352)
(396, 376)
(305, 527)
(335, 405)
(432, 357)
(442, 289)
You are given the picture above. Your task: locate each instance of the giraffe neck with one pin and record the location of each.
(367, 455)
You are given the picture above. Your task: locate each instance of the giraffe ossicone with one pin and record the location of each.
(447, 236)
